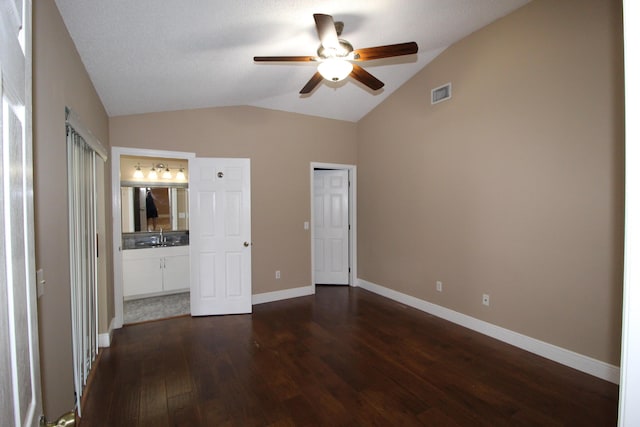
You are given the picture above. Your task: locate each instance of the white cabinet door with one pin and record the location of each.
(176, 273)
(141, 275)
(149, 272)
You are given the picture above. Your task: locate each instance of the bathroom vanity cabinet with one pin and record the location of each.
(155, 271)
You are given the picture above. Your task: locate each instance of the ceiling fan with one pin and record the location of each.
(335, 56)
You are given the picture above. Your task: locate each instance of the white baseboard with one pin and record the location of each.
(561, 355)
(104, 340)
(283, 294)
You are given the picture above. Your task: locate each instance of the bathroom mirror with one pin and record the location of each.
(153, 208)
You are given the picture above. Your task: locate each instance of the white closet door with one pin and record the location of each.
(331, 222)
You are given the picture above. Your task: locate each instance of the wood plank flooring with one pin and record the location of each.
(344, 357)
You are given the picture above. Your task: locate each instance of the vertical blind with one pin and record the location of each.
(81, 164)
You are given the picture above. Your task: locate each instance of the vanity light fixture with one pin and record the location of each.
(180, 175)
(152, 173)
(137, 174)
(167, 173)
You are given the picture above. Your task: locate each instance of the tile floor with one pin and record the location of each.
(154, 308)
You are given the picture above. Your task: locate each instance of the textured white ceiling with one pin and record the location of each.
(152, 55)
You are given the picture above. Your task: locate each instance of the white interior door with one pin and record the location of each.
(331, 226)
(20, 395)
(220, 236)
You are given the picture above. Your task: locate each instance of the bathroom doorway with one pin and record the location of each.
(151, 246)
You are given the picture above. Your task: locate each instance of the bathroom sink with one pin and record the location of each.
(144, 244)
(165, 244)
(148, 240)
(141, 245)
(147, 245)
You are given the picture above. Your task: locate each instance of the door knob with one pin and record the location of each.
(246, 244)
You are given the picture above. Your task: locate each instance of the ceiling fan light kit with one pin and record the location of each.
(335, 69)
(335, 54)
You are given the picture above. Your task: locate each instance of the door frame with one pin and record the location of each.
(353, 243)
(116, 205)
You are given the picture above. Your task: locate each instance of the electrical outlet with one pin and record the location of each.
(485, 299)
(439, 286)
(277, 274)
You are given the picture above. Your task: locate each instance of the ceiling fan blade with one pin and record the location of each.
(364, 77)
(387, 51)
(326, 31)
(284, 58)
(312, 83)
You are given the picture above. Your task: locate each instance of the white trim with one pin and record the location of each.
(353, 233)
(628, 408)
(73, 120)
(116, 152)
(566, 357)
(283, 294)
(104, 340)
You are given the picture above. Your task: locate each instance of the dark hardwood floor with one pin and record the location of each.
(344, 357)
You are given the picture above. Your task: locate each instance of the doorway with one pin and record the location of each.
(333, 224)
(210, 259)
(169, 262)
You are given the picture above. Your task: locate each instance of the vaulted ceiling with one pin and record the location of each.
(149, 55)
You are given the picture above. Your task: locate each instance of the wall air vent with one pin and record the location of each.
(441, 93)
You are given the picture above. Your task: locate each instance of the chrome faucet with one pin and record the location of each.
(161, 237)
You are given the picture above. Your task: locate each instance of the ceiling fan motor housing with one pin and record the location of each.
(344, 49)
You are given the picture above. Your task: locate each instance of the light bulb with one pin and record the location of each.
(137, 174)
(152, 173)
(180, 175)
(166, 174)
(335, 69)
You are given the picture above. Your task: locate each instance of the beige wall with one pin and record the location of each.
(281, 147)
(515, 186)
(59, 80)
